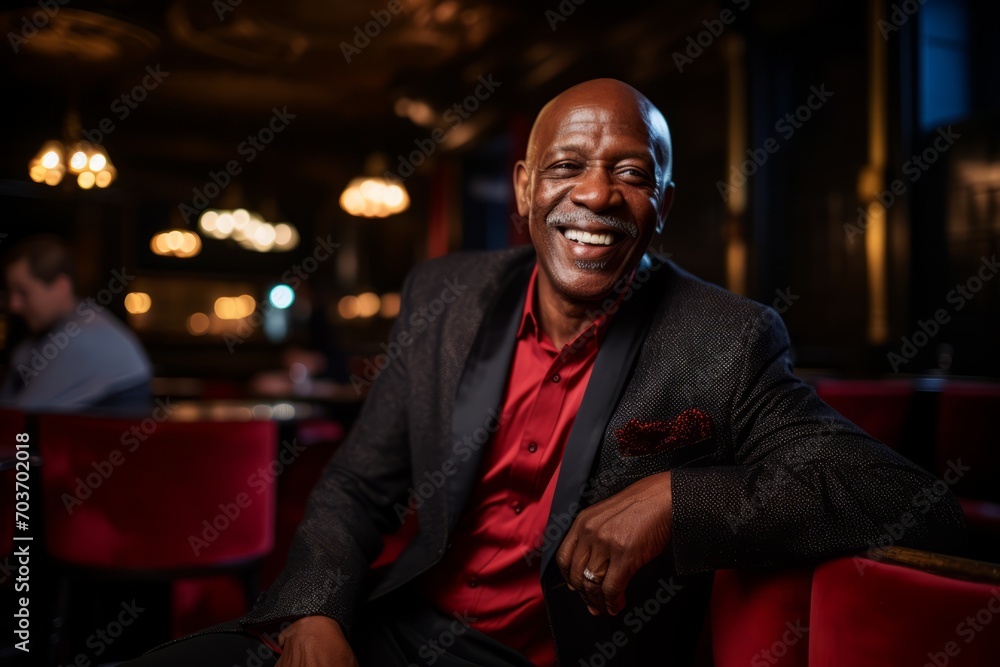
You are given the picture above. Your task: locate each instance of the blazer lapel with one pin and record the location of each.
(607, 381)
(480, 392)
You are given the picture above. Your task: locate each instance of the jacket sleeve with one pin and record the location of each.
(349, 508)
(806, 483)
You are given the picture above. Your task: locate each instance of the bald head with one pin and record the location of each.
(624, 104)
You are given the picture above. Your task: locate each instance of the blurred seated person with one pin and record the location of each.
(78, 356)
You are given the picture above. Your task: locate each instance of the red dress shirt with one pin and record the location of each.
(491, 571)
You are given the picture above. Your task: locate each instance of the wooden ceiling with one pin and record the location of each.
(228, 63)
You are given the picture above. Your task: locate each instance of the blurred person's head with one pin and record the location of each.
(40, 275)
(594, 186)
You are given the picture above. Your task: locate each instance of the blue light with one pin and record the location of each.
(281, 296)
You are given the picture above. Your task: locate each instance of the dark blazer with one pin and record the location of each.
(689, 378)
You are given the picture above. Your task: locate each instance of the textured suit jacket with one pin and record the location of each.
(689, 378)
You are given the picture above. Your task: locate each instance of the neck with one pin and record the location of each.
(66, 308)
(562, 319)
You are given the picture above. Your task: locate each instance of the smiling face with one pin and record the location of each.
(594, 187)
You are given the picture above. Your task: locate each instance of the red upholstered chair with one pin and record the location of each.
(757, 615)
(913, 610)
(12, 422)
(879, 407)
(158, 500)
(908, 608)
(967, 443)
(967, 430)
(315, 441)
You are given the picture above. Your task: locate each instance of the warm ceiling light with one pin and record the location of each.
(225, 308)
(48, 165)
(246, 304)
(225, 225)
(390, 305)
(87, 161)
(374, 197)
(91, 164)
(286, 236)
(368, 304)
(264, 235)
(349, 307)
(51, 159)
(234, 307)
(249, 229)
(420, 113)
(209, 223)
(103, 178)
(137, 303)
(197, 324)
(77, 161)
(176, 243)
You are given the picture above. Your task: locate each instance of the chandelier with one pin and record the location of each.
(88, 162)
(374, 196)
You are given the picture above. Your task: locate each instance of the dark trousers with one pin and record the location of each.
(397, 633)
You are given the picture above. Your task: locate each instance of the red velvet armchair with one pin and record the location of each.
(898, 607)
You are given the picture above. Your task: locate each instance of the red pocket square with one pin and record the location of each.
(638, 437)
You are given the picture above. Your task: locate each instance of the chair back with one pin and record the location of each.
(868, 613)
(967, 431)
(879, 407)
(148, 495)
(757, 617)
(907, 607)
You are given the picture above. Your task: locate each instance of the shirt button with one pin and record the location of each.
(532, 447)
(473, 582)
(556, 378)
(517, 508)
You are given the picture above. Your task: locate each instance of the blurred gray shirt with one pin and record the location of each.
(87, 359)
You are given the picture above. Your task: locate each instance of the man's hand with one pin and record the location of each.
(613, 539)
(315, 641)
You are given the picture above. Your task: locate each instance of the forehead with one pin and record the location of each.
(586, 124)
(19, 270)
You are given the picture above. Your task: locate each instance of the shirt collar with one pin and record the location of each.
(591, 335)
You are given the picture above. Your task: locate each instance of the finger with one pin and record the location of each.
(578, 561)
(616, 580)
(592, 592)
(564, 556)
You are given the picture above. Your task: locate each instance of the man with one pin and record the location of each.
(78, 356)
(583, 433)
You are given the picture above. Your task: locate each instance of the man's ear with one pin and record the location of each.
(521, 180)
(666, 201)
(64, 285)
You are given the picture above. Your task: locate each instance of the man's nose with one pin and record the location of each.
(597, 190)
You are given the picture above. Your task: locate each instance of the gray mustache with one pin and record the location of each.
(557, 219)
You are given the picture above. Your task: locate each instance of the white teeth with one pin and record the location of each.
(587, 237)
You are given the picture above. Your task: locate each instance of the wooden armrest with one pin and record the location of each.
(948, 566)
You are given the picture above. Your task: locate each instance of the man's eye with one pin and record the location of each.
(633, 172)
